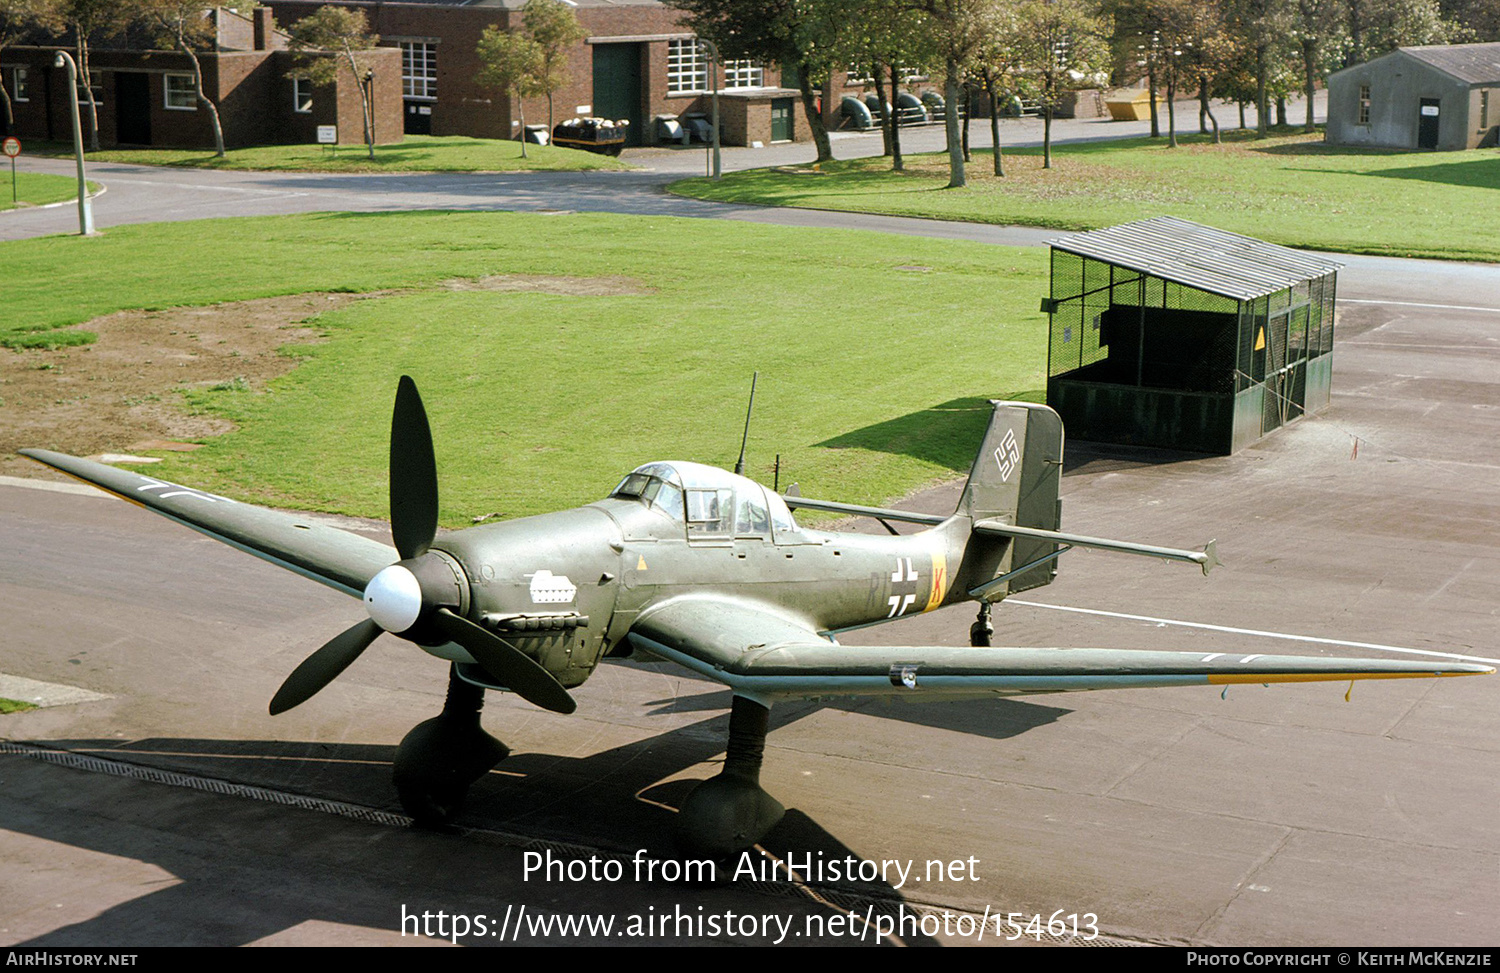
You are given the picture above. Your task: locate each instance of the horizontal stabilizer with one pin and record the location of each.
(1206, 558)
(855, 510)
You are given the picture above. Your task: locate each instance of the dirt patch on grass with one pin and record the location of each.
(124, 392)
(540, 283)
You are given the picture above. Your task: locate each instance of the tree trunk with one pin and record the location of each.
(86, 81)
(1262, 102)
(1281, 110)
(1151, 89)
(1242, 114)
(814, 117)
(213, 110)
(1309, 70)
(521, 110)
(10, 118)
(956, 178)
(897, 163)
(885, 117)
(989, 88)
(1171, 110)
(1202, 108)
(1205, 108)
(1047, 136)
(968, 110)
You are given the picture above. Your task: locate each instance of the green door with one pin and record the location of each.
(781, 120)
(617, 87)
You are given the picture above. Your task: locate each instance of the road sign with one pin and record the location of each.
(12, 147)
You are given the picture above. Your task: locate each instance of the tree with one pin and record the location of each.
(1315, 22)
(554, 27)
(1261, 26)
(890, 36)
(87, 18)
(1061, 47)
(804, 37)
(187, 26)
(511, 61)
(17, 18)
(344, 33)
(959, 29)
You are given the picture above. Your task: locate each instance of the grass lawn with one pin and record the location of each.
(1291, 189)
(35, 189)
(876, 353)
(8, 706)
(417, 153)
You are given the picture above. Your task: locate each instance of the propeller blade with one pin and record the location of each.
(324, 665)
(414, 487)
(507, 664)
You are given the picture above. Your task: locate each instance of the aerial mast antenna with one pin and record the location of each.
(739, 464)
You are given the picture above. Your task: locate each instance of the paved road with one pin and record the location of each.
(1270, 816)
(141, 194)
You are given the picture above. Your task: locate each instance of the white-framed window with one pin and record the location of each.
(419, 70)
(95, 84)
(179, 92)
(858, 74)
(20, 85)
(302, 95)
(908, 75)
(744, 74)
(687, 67)
(1364, 104)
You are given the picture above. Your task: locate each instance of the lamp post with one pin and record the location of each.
(713, 80)
(85, 210)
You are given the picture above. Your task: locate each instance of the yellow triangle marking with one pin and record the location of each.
(1260, 339)
(640, 565)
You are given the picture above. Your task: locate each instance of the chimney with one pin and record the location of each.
(264, 27)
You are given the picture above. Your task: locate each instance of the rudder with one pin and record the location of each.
(1017, 478)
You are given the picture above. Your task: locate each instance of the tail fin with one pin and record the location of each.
(1016, 478)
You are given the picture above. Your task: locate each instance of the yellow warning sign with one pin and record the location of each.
(640, 565)
(1260, 339)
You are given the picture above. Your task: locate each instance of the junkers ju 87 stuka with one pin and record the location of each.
(709, 570)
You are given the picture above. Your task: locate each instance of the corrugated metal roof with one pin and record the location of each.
(1469, 63)
(1195, 255)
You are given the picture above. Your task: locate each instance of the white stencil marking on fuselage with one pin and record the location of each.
(552, 589)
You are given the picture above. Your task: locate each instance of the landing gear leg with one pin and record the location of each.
(441, 757)
(729, 813)
(981, 633)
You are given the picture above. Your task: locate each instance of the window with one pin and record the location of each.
(1364, 104)
(743, 74)
(687, 67)
(857, 75)
(20, 85)
(302, 95)
(419, 70)
(179, 92)
(1484, 110)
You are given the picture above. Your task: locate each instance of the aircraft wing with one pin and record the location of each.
(763, 655)
(337, 558)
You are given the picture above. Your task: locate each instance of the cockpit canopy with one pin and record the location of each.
(711, 501)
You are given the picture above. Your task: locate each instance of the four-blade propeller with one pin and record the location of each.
(415, 597)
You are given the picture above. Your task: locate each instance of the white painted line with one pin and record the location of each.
(1257, 633)
(39, 693)
(1444, 307)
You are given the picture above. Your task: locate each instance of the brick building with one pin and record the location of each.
(145, 97)
(637, 63)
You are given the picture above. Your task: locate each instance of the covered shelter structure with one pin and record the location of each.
(1172, 334)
